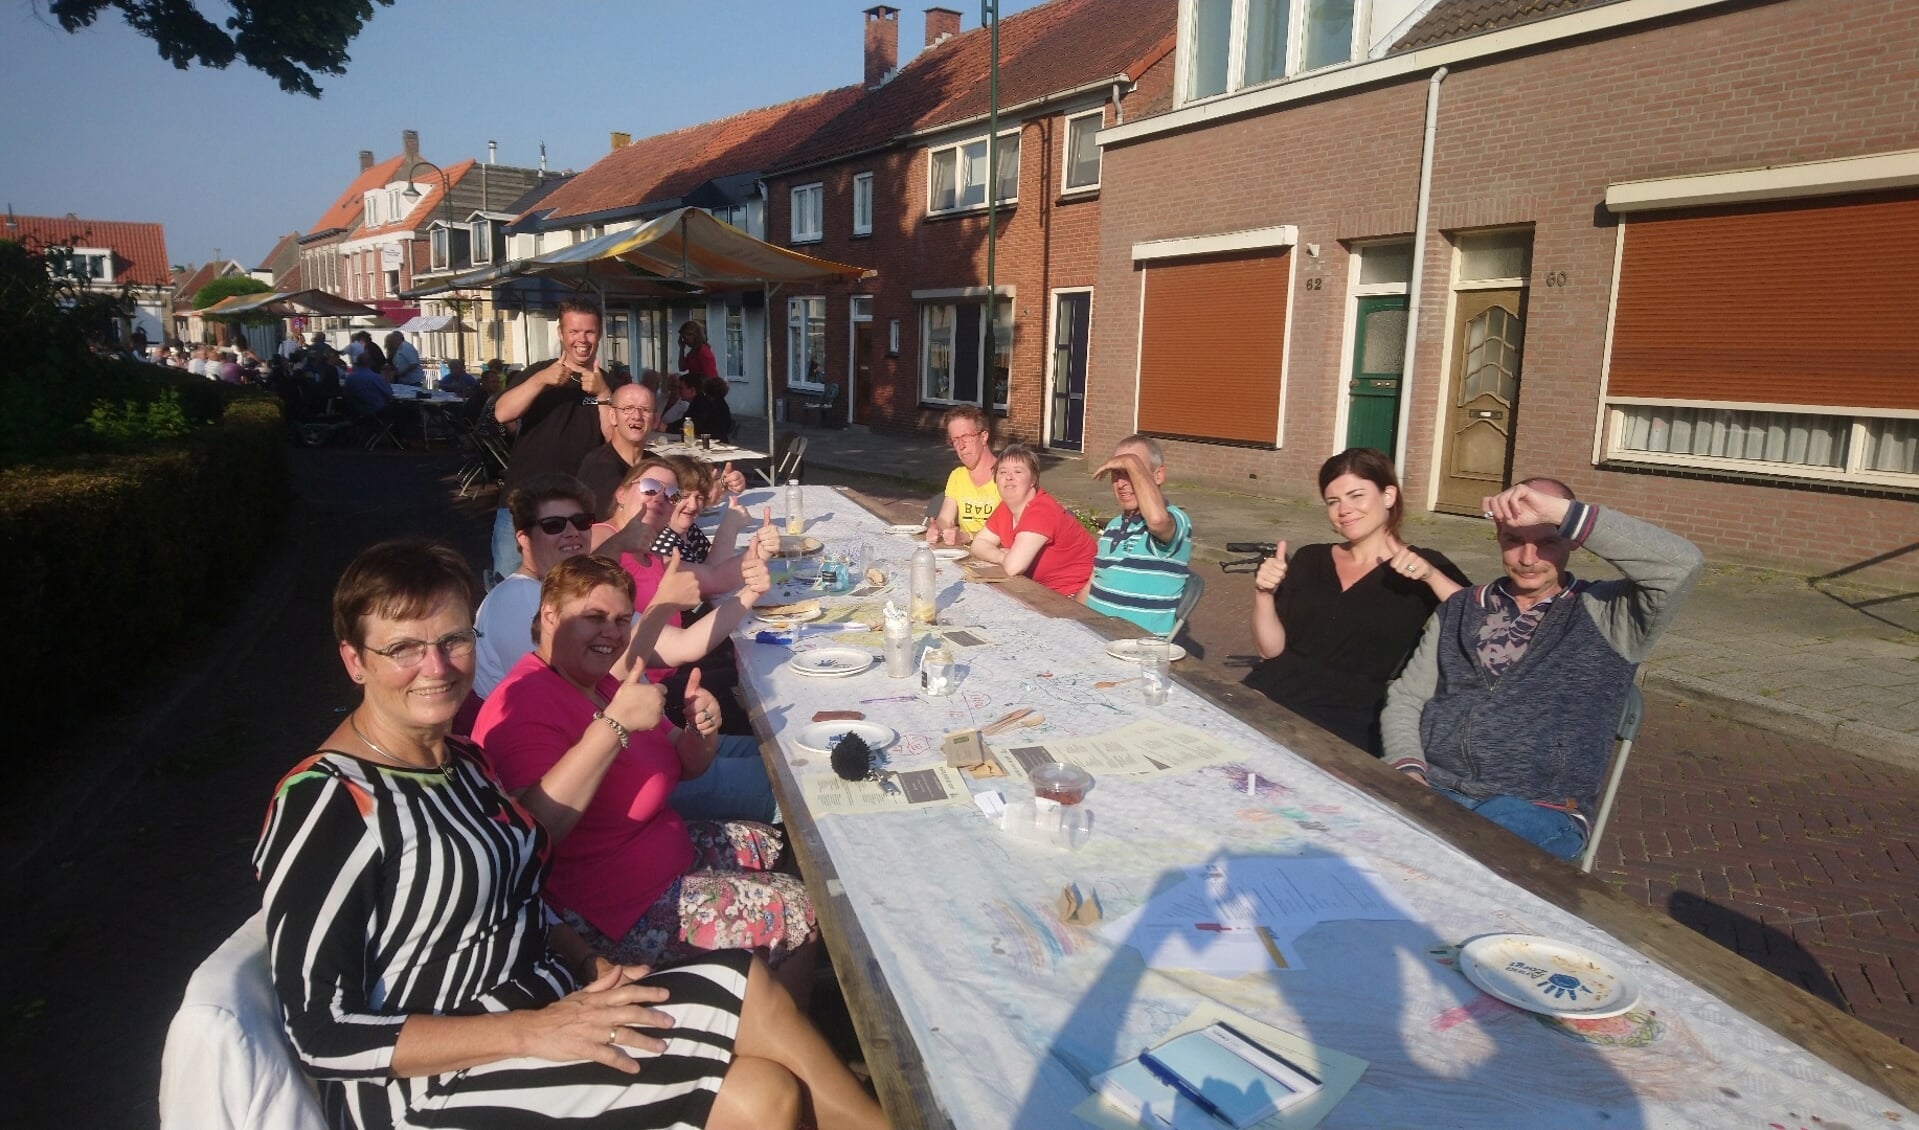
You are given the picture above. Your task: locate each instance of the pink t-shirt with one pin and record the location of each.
(646, 581)
(629, 844)
(1066, 562)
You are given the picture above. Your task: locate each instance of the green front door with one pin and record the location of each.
(1379, 352)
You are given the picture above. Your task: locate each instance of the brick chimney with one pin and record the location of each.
(882, 43)
(941, 23)
(410, 144)
(366, 159)
(621, 139)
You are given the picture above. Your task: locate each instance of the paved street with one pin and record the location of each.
(1796, 854)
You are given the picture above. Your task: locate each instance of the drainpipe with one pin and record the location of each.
(1419, 268)
(1119, 110)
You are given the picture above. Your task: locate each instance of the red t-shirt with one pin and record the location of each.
(629, 844)
(646, 581)
(1066, 562)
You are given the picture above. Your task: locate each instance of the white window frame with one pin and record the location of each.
(812, 210)
(372, 207)
(481, 240)
(1349, 326)
(1855, 471)
(734, 215)
(928, 301)
(1236, 48)
(796, 317)
(893, 338)
(439, 239)
(863, 202)
(957, 148)
(1066, 187)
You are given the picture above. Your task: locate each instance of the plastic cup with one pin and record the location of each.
(899, 654)
(1155, 670)
(1063, 784)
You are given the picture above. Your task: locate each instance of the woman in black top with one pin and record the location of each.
(1335, 623)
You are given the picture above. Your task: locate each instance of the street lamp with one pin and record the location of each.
(412, 195)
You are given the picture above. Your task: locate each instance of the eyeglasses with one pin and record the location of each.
(964, 437)
(553, 527)
(408, 654)
(653, 488)
(633, 409)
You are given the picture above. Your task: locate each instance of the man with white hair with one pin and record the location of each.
(1144, 555)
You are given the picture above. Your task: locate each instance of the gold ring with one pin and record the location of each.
(613, 1035)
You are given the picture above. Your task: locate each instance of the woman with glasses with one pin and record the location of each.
(971, 492)
(636, 880)
(1334, 624)
(1031, 534)
(552, 515)
(420, 978)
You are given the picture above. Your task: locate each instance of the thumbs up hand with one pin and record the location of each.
(679, 589)
(700, 709)
(1272, 570)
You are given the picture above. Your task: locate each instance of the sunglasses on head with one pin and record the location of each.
(554, 526)
(653, 487)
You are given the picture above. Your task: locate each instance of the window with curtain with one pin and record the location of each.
(1080, 163)
(806, 342)
(956, 175)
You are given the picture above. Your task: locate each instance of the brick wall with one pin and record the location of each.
(1530, 139)
(1045, 241)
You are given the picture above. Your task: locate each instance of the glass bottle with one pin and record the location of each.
(795, 508)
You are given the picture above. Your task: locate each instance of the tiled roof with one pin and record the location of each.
(530, 209)
(200, 276)
(1046, 50)
(139, 249)
(348, 209)
(1456, 19)
(284, 252)
(292, 279)
(667, 166)
(431, 190)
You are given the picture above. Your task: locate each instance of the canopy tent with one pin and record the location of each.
(297, 304)
(434, 324)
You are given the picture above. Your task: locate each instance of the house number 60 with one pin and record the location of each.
(1555, 278)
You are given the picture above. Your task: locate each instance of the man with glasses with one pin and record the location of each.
(562, 411)
(605, 467)
(1144, 555)
(551, 516)
(971, 493)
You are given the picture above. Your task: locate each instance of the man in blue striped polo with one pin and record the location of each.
(1142, 561)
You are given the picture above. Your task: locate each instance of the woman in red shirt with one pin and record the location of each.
(1031, 533)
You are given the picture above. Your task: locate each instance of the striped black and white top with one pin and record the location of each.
(391, 892)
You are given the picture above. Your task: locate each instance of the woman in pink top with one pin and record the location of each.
(593, 758)
(1031, 533)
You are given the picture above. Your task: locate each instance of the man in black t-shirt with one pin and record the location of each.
(564, 411)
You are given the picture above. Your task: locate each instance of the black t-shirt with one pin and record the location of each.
(711, 416)
(602, 471)
(1343, 648)
(556, 431)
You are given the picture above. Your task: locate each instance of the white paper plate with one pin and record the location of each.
(1553, 978)
(1128, 651)
(912, 530)
(832, 662)
(951, 553)
(821, 737)
(772, 620)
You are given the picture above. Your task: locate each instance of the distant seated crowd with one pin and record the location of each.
(539, 868)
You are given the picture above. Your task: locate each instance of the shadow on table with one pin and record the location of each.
(1769, 948)
(1349, 996)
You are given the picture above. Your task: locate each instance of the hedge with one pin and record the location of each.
(116, 564)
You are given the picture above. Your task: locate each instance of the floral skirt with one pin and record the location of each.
(731, 899)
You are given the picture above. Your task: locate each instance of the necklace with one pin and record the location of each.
(443, 769)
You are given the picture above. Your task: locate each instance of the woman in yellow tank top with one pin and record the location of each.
(971, 493)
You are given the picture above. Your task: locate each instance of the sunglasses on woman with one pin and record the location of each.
(652, 488)
(553, 527)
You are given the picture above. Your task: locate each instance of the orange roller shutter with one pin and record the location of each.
(1809, 302)
(1212, 338)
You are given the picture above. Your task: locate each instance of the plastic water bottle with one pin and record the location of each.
(795, 507)
(924, 584)
(686, 429)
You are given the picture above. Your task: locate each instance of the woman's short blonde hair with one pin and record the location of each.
(575, 577)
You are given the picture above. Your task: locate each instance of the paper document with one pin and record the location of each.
(893, 792)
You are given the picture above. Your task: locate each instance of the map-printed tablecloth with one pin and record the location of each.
(1013, 1010)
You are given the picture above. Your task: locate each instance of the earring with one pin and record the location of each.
(359, 678)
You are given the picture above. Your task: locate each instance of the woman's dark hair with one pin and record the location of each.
(524, 501)
(371, 357)
(715, 387)
(1021, 454)
(1375, 468)
(400, 580)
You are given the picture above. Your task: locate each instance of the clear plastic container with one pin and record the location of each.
(795, 507)
(925, 585)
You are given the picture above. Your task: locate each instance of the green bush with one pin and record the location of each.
(129, 422)
(115, 565)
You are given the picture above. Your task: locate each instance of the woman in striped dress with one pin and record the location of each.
(420, 978)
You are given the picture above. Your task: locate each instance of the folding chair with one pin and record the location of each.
(1628, 731)
(376, 428)
(1188, 600)
(786, 459)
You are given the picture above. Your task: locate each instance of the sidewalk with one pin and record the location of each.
(1833, 664)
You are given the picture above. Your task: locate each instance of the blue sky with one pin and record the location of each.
(101, 126)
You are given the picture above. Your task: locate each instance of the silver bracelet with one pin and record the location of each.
(619, 731)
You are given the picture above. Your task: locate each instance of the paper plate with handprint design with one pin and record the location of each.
(1548, 977)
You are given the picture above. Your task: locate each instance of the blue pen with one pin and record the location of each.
(1171, 1078)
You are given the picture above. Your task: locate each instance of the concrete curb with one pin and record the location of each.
(69, 808)
(1863, 738)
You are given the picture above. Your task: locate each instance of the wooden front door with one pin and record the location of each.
(1477, 445)
(1379, 354)
(1072, 317)
(862, 371)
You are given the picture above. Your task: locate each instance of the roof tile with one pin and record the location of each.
(1456, 19)
(429, 200)
(139, 249)
(347, 210)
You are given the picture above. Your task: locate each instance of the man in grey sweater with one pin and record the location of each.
(1511, 701)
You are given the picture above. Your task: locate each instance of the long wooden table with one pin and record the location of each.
(916, 1064)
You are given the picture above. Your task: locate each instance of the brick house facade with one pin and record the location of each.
(1066, 62)
(1609, 178)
